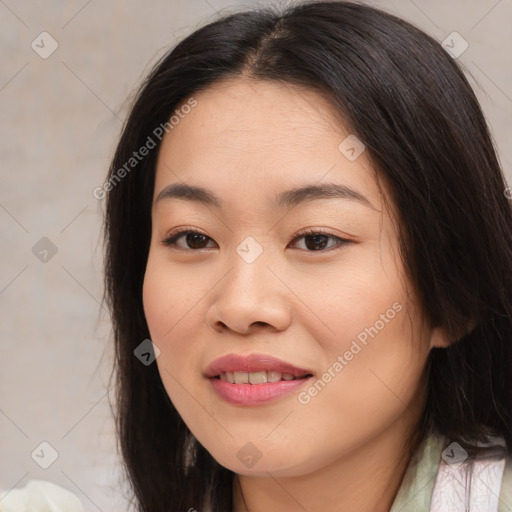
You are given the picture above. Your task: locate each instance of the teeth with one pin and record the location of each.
(241, 377)
(274, 376)
(255, 377)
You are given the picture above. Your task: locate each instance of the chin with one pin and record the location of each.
(278, 464)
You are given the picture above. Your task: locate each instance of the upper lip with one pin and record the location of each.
(252, 363)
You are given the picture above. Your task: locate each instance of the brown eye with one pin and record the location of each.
(318, 240)
(194, 240)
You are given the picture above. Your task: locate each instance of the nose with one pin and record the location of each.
(250, 297)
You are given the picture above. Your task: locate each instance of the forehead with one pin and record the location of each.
(251, 138)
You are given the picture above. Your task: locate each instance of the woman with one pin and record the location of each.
(309, 269)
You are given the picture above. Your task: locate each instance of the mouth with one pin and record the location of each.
(255, 379)
(255, 369)
(259, 377)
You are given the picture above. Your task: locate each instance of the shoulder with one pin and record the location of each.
(441, 476)
(39, 496)
(480, 481)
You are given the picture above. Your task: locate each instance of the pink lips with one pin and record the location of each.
(252, 363)
(253, 394)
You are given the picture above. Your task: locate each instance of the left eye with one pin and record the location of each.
(315, 240)
(318, 240)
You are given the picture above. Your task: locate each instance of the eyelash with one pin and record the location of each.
(171, 240)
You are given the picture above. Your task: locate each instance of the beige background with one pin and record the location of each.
(60, 118)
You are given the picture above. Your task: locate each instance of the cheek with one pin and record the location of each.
(169, 298)
(166, 313)
(365, 301)
(155, 298)
(366, 388)
(376, 351)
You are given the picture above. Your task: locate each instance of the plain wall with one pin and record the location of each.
(60, 119)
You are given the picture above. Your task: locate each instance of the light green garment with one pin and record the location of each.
(506, 489)
(419, 479)
(417, 486)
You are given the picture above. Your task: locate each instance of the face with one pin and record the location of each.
(334, 302)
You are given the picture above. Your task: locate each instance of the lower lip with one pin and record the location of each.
(254, 394)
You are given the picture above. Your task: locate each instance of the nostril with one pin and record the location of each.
(259, 323)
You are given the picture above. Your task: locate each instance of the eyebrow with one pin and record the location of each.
(285, 199)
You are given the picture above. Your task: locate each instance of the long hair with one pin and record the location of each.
(409, 102)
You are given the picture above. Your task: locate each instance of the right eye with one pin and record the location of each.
(193, 239)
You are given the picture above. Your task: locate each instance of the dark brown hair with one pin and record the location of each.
(409, 102)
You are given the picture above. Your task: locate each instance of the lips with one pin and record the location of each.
(253, 363)
(255, 379)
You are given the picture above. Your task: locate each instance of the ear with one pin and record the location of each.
(439, 337)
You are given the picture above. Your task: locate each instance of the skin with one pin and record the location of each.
(346, 449)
